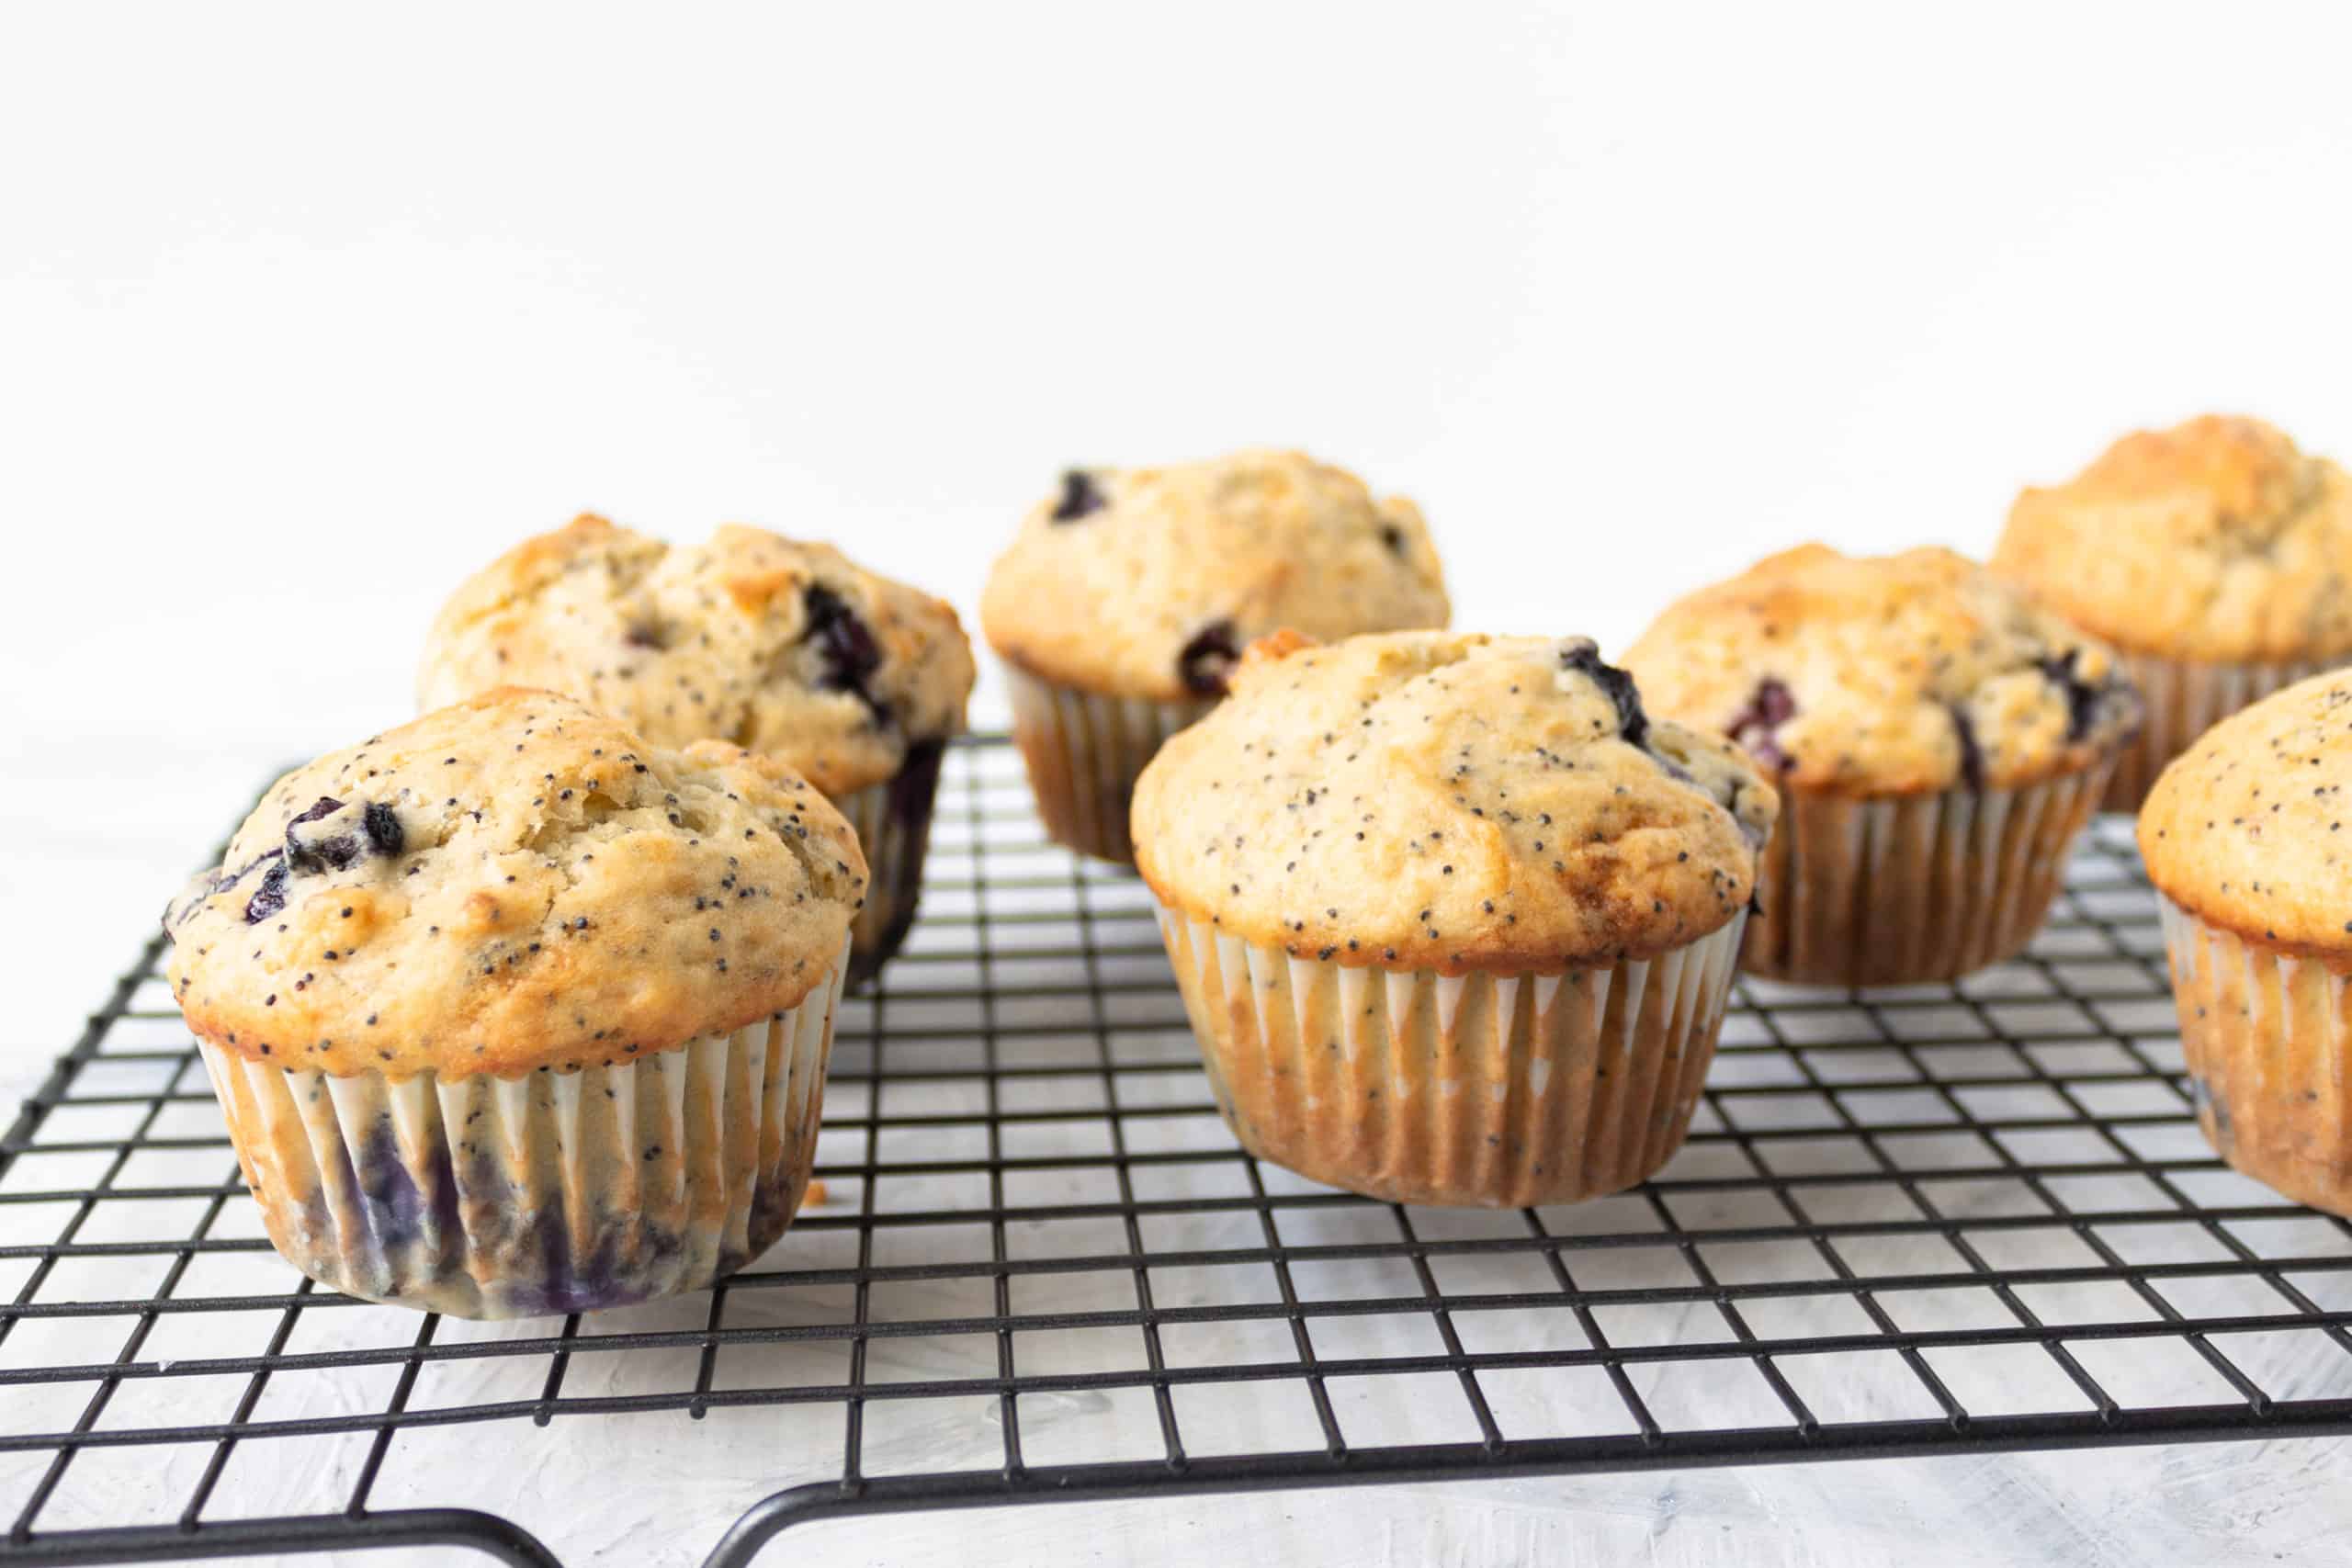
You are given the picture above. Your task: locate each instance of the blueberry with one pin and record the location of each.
(270, 897)
(1207, 662)
(222, 880)
(385, 835)
(336, 849)
(325, 806)
(1081, 496)
(1771, 705)
(1393, 536)
(210, 885)
(645, 634)
(2082, 699)
(1583, 655)
(846, 644)
(1972, 755)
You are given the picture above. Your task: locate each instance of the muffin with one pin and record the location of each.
(2216, 559)
(1938, 742)
(1129, 594)
(1453, 920)
(2249, 839)
(783, 648)
(510, 1012)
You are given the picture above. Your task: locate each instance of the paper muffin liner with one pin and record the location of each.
(1084, 753)
(1906, 889)
(2185, 698)
(2267, 1037)
(1500, 1091)
(559, 1191)
(893, 824)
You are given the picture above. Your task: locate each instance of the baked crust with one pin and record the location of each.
(1427, 801)
(510, 884)
(2251, 828)
(740, 639)
(1147, 582)
(2216, 540)
(1886, 675)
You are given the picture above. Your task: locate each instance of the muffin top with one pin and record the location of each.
(1886, 674)
(2251, 828)
(512, 883)
(2214, 540)
(783, 648)
(1423, 800)
(1148, 582)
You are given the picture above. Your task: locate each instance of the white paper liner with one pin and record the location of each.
(1479, 1089)
(2185, 698)
(1908, 889)
(1084, 753)
(553, 1193)
(2266, 1035)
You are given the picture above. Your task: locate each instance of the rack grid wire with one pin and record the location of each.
(1915, 1221)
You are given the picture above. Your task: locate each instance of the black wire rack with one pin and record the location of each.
(1908, 1221)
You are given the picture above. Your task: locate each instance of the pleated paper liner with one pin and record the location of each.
(1906, 889)
(1084, 753)
(2186, 698)
(1485, 1090)
(2265, 1034)
(553, 1193)
(893, 823)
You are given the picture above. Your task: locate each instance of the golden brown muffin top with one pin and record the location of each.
(1886, 674)
(1421, 800)
(2216, 540)
(512, 883)
(785, 648)
(2251, 828)
(1148, 582)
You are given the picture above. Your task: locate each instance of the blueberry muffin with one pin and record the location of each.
(512, 1012)
(2215, 557)
(1129, 594)
(2249, 839)
(1454, 919)
(783, 648)
(1937, 739)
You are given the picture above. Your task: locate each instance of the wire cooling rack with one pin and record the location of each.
(1936, 1219)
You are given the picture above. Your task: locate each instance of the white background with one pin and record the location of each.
(306, 313)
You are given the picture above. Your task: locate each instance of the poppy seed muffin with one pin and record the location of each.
(1453, 920)
(2248, 838)
(784, 649)
(2216, 557)
(510, 1012)
(1129, 594)
(1939, 740)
